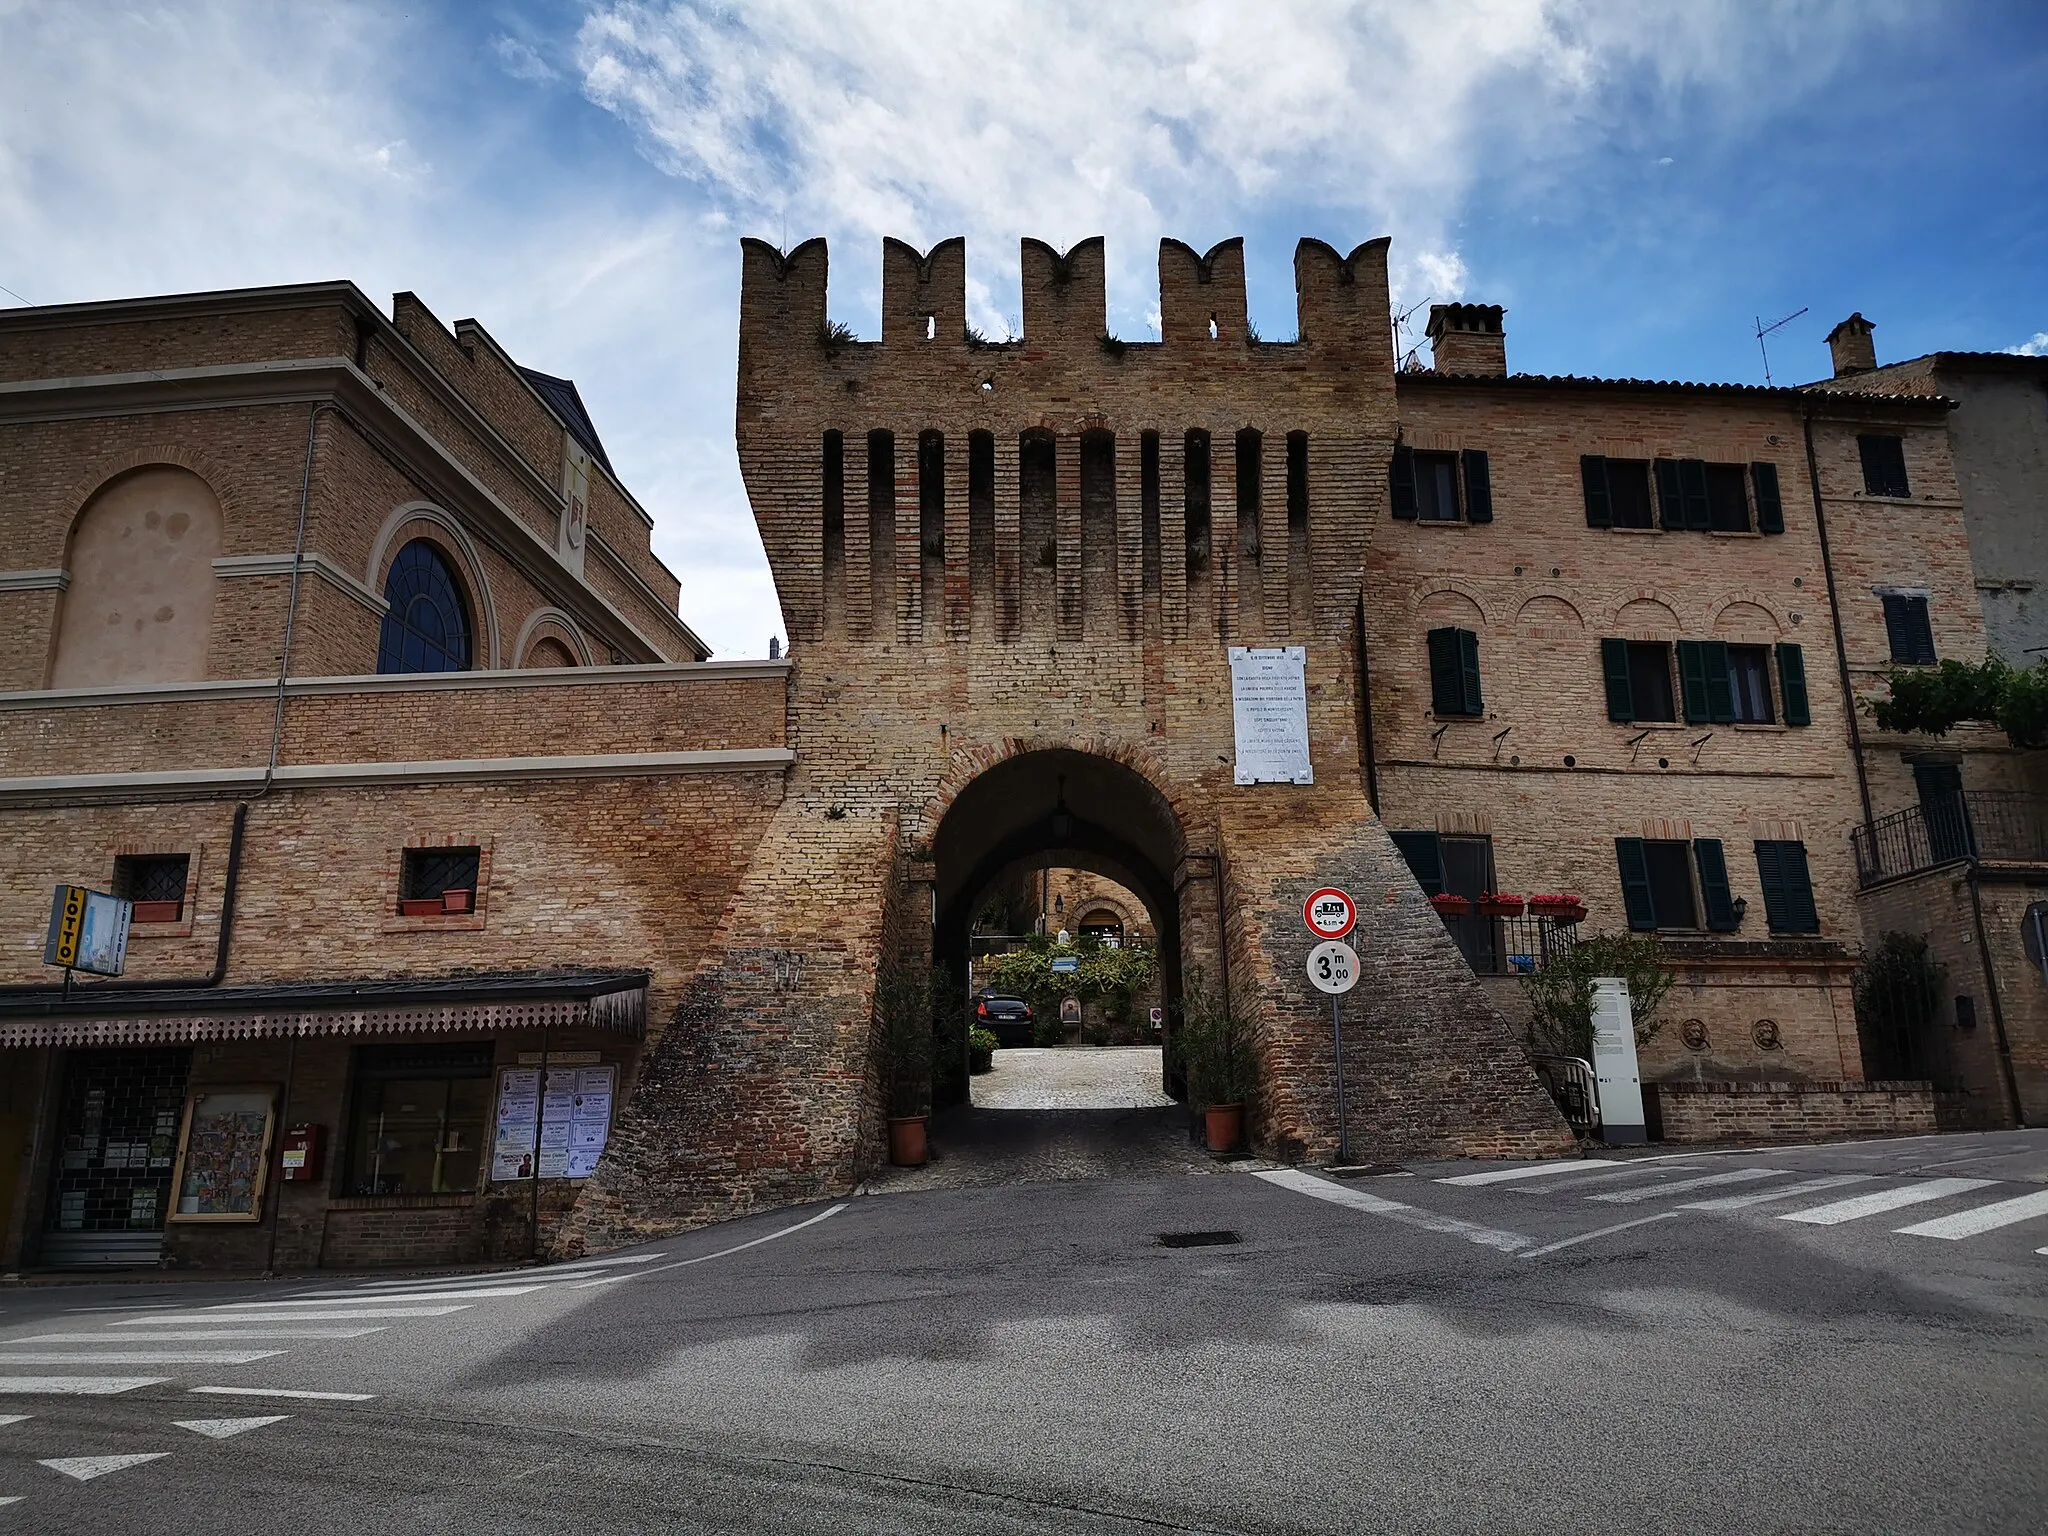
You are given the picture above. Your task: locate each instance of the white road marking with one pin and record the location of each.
(379, 1300)
(142, 1357)
(1587, 1237)
(323, 1397)
(1535, 1171)
(1393, 1210)
(79, 1386)
(86, 1468)
(191, 1335)
(11, 1498)
(1858, 1206)
(705, 1258)
(1985, 1218)
(1704, 1181)
(339, 1314)
(13, 1418)
(221, 1429)
(1784, 1192)
(133, 1306)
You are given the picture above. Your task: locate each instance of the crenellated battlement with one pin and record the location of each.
(1340, 301)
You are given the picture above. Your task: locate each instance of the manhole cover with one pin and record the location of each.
(1197, 1239)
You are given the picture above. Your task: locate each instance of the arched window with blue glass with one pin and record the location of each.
(426, 628)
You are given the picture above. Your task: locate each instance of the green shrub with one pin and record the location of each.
(981, 1051)
(1213, 1045)
(904, 997)
(1560, 995)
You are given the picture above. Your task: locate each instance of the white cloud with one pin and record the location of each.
(2035, 346)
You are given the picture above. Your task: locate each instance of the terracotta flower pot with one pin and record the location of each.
(423, 906)
(1501, 906)
(907, 1141)
(456, 901)
(158, 911)
(1224, 1126)
(1452, 906)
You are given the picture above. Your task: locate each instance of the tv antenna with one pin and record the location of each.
(1411, 359)
(1763, 330)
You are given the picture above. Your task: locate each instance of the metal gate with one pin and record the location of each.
(110, 1170)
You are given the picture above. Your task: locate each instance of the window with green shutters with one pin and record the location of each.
(1705, 682)
(1638, 676)
(1658, 888)
(1770, 509)
(1434, 487)
(1908, 627)
(1454, 672)
(1617, 492)
(1792, 684)
(1884, 465)
(1787, 886)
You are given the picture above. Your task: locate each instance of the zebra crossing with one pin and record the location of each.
(1814, 1200)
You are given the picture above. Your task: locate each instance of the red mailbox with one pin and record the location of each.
(298, 1154)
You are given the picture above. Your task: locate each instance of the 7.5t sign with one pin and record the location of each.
(1329, 913)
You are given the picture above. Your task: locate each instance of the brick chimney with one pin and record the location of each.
(1850, 345)
(1467, 338)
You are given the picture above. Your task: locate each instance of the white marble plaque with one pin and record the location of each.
(1269, 704)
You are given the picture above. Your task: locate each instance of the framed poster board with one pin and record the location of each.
(224, 1154)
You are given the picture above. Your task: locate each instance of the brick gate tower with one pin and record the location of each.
(1010, 573)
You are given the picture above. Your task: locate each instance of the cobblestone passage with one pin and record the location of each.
(1074, 1077)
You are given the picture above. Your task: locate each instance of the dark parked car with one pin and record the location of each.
(1007, 1018)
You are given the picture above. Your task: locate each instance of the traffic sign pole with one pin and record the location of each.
(1343, 1120)
(1333, 968)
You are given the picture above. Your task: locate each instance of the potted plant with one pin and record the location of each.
(1451, 906)
(1215, 1049)
(1559, 909)
(456, 900)
(1500, 904)
(903, 1006)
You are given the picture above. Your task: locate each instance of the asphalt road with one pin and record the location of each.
(1616, 1347)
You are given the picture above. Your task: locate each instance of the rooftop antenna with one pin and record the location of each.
(1411, 359)
(1763, 330)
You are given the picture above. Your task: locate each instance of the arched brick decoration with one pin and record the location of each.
(557, 630)
(219, 478)
(966, 764)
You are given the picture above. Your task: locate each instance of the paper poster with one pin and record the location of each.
(222, 1175)
(572, 1118)
(1269, 707)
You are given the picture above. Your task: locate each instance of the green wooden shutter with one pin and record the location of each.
(1468, 671)
(1920, 625)
(1792, 684)
(1770, 507)
(1599, 504)
(1720, 682)
(1692, 676)
(1424, 852)
(1670, 499)
(1446, 673)
(1692, 479)
(1401, 484)
(1621, 693)
(1635, 884)
(1713, 866)
(1787, 886)
(1478, 487)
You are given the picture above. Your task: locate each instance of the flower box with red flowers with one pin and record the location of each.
(1500, 904)
(1451, 906)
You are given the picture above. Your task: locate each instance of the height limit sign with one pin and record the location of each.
(1333, 968)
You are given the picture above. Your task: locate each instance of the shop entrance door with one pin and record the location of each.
(110, 1170)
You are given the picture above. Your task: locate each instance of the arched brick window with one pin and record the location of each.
(427, 627)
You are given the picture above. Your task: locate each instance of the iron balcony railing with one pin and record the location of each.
(1510, 946)
(2003, 826)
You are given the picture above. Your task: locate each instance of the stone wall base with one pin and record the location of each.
(1705, 1112)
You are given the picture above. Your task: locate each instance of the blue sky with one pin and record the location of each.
(1634, 182)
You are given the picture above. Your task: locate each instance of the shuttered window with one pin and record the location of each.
(1436, 487)
(1704, 679)
(1454, 672)
(1884, 465)
(1749, 680)
(1787, 886)
(1440, 487)
(1907, 626)
(1770, 509)
(1401, 484)
(1424, 852)
(1638, 678)
(1727, 498)
(1617, 492)
(1478, 486)
(1658, 889)
(1682, 500)
(1715, 897)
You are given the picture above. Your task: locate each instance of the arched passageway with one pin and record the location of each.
(1068, 809)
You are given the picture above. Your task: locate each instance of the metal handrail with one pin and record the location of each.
(1970, 826)
(1575, 1088)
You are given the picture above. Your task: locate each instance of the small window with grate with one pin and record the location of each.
(438, 879)
(155, 882)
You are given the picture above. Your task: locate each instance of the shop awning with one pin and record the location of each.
(480, 1004)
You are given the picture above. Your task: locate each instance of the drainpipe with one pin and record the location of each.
(1827, 566)
(2005, 1071)
(1372, 767)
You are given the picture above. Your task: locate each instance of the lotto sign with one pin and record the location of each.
(1330, 913)
(88, 931)
(1333, 967)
